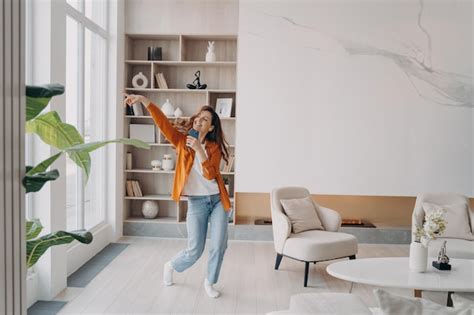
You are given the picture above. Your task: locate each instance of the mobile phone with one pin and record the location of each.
(193, 133)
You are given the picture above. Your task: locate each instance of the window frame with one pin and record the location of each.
(86, 23)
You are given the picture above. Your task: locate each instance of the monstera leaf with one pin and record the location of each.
(33, 229)
(60, 135)
(37, 247)
(91, 146)
(36, 181)
(38, 97)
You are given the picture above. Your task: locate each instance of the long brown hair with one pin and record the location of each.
(216, 135)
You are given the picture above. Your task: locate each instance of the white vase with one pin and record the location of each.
(167, 164)
(167, 108)
(150, 209)
(178, 112)
(136, 81)
(418, 257)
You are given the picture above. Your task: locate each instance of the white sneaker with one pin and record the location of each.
(211, 292)
(168, 274)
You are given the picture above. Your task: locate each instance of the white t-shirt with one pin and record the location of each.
(197, 184)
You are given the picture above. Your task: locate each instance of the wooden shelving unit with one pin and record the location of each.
(182, 56)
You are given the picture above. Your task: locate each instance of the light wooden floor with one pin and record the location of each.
(132, 283)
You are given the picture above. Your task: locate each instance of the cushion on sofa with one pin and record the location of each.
(302, 214)
(320, 245)
(455, 248)
(392, 304)
(457, 218)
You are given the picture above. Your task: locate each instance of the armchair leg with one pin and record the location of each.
(306, 270)
(278, 261)
(352, 257)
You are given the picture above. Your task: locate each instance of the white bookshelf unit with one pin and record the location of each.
(182, 56)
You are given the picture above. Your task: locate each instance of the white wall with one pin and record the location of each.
(181, 16)
(332, 95)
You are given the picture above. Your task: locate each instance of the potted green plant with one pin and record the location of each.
(68, 141)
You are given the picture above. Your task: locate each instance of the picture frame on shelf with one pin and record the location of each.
(224, 107)
(143, 132)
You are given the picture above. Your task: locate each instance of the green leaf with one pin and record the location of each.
(38, 97)
(43, 166)
(54, 132)
(35, 182)
(91, 146)
(37, 247)
(33, 228)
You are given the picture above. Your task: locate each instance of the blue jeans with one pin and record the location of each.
(202, 209)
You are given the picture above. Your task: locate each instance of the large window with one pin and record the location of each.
(86, 90)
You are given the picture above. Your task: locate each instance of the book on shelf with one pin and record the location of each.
(137, 109)
(129, 188)
(230, 163)
(161, 81)
(139, 189)
(134, 189)
(129, 111)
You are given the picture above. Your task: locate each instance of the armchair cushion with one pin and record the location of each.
(457, 218)
(456, 248)
(302, 214)
(318, 245)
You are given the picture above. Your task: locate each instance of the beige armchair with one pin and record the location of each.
(313, 245)
(456, 248)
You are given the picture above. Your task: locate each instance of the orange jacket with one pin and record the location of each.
(185, 157)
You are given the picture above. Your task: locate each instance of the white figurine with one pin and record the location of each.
(210, 55)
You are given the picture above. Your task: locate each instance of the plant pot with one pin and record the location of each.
(418, 257)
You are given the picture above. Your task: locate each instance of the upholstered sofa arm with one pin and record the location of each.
(330, 219)
(281, 230)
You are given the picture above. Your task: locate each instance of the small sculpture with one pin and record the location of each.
(150, 209)
(443, 259)
(168, 108)
(178, 113)
(155, 165)
(197, 82)
(210, 55)
(140, 77)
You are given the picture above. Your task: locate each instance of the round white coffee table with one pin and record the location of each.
(394, 272)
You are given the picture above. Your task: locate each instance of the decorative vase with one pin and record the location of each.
(210, 55)
(167, 164)
(167, 108)
(178, 112)
(418, 257)
(150, 209)
(155, 165)
(136, 81)
(129, 161)
(154, 53)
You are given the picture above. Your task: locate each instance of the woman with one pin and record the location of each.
(198, 177)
